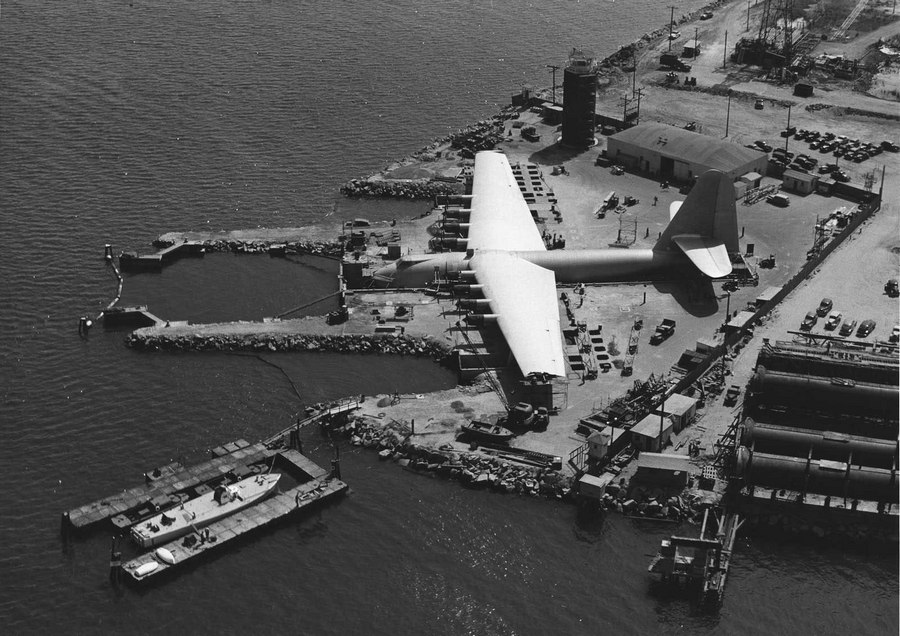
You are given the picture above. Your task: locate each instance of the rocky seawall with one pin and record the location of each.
(475, 470)
(276, 342)
(333, 249)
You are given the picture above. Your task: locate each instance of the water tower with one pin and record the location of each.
(579, 100)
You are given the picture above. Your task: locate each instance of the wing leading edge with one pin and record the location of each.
(500, 218)
(523, 295)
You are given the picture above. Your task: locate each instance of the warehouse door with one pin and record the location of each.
(666, 166)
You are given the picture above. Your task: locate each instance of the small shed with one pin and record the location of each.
(552, 113)
(741, 321)
(825, 186)
(663, 469)
(767, 295)
(592, 487)
(752, 179)
(799, 182)
(803, 89)
(652, 433)
(681, 409)
(598, 443)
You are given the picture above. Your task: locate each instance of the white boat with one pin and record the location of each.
(203, 510)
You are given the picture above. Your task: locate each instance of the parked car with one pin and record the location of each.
(847, 328)
(840, 175)
(865, 328)
(833, 320)
(758, 105)
(732, 394)
(706, 15)
(824, 306)
(895, 334)
(809, 321)
(780, 200)
(763, 146)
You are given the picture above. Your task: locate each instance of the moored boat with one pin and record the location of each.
(486, 432)
(204, 510)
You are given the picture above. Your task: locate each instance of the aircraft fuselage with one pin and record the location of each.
(569, 266)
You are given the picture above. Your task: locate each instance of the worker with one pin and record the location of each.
(655, 199)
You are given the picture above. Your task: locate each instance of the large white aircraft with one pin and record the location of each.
(518, 276)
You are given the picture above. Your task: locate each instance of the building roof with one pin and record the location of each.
(751, 176)
(677, 404)
(740, 321)
(767, 294)
(688, 146)
(796, 175)
(604, 480)
(664, 461)
(649, 426)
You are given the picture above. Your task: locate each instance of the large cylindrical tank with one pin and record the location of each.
(797, 442)
(817, 476)
(832, 395)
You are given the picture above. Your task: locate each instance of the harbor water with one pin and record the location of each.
(120, 121)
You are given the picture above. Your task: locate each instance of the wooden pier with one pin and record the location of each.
(150, 566)
(700, 564)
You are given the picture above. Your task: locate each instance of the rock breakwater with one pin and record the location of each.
(334, 249)
(154, 340)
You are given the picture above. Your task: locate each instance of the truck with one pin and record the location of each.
(530, 133)
(673, 61)
(663, 331)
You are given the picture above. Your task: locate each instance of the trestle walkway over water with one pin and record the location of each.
(700, 564)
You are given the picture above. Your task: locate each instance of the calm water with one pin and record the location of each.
(123, 120)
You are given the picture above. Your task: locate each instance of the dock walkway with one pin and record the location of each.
(149, 566)
(161, 490)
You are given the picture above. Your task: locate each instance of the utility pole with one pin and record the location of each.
(788, 131)
(725, 52)
(748, 15)
(695, 43)
(728, 113)
(553, 70)
(671, 21)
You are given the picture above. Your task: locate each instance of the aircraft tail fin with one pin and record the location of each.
(705, 225)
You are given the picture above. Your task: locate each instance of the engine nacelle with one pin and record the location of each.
(463, 290)
(479, 320)
(473, 303)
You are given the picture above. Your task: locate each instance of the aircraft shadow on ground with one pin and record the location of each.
(555, 154)
(696, 297)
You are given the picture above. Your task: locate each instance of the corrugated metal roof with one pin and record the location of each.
(684, 145)
(664, 461)
(800, 176)
(677, 404)
(649, 426)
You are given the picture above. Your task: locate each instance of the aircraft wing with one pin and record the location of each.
(523, 296)
(500, 218)
(707, 254)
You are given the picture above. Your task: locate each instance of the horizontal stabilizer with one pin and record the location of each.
(707, 254)
(673, 208)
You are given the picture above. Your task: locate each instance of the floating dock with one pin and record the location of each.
(212, 537)
(168, 486)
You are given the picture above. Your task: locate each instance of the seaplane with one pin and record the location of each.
(505, 259)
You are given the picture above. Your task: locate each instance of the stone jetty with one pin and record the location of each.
(155, 339)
